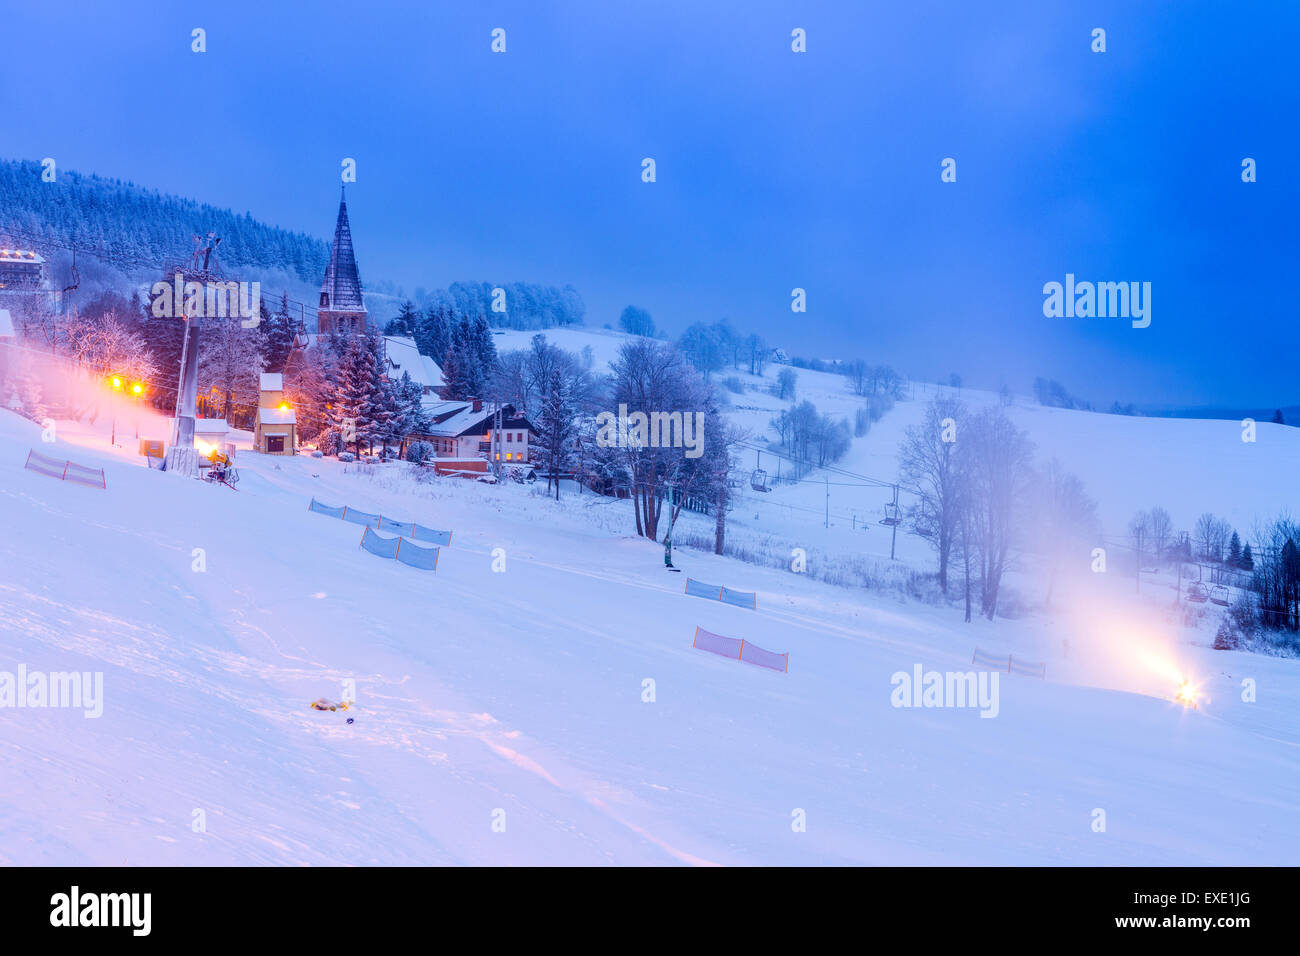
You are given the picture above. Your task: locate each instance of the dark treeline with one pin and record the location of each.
(518, 305)
(136, 227)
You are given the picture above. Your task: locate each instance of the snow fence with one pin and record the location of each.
(713, 592)
(400, 549)
(65, 470)
(1009, 664)
(740, 649)
(406, 529)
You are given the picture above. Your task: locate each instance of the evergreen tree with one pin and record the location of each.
(469, 366)
(357, 402)
(1234, 551)
(454, 388)
(484, 348)
(277, 334)
(432, 332)
(1247, 558)
(406, 402)
(1277, 417)
(408, 317)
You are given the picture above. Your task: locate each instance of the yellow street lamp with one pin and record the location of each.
(116, 382)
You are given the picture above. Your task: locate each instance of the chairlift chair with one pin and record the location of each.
(1197, 594)
(891, 514)
(758, 480)
(1219, 595)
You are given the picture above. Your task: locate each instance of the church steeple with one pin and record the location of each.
(342, 304)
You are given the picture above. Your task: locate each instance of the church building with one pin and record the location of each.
(342, 306)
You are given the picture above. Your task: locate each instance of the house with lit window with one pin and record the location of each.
(276, 429)
(461, 436)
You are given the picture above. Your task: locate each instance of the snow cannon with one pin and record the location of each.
(1186, 694)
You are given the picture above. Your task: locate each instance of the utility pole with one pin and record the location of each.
(828, 501)
(893, 529)
(668, 536)
(494, 443)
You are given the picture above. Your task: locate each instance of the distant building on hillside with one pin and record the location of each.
(22, 270)
(24, 283)
(342, 304)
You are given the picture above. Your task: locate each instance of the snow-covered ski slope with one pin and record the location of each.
(485, 697)
(1186, 466)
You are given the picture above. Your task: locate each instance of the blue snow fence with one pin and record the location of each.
(376, 543)
(410, 553)
(319, 508)
(747, 599)
(421, 533)
(700, 589)
(713, 592)
(405, 529)
(360, 517)
(400, 549)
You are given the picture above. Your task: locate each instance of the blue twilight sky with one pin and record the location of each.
(775, 170)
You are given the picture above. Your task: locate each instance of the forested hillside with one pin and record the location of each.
(134, 227)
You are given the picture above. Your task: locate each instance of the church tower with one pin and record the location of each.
(342, 306)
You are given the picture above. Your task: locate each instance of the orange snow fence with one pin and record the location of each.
(65, 470)
(739, 649)
(1009, 664)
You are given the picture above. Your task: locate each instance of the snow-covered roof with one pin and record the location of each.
(211, 426)
(271, 382)
(456, 418)
(6, 324)
(274, 416)
(403, 356)
(453, 419)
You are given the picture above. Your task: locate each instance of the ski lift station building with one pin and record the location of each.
(276, 430)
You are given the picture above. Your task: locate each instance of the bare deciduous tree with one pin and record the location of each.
(927, 464)
(1066, 519)
(998, 473)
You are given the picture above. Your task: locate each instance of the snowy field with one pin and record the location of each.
(485, 697)
(1127, 464)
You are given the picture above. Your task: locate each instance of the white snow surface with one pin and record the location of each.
(518, 696)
